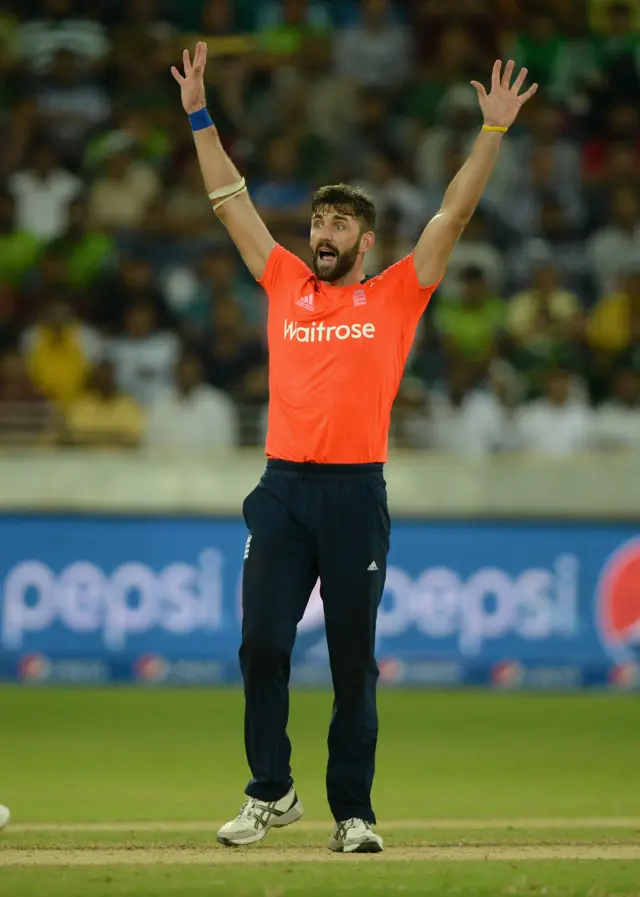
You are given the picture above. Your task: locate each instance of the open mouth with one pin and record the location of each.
(327, 255)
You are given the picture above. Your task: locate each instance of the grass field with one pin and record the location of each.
(120, 792)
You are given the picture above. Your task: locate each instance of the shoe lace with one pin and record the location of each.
(354, 822)
(256, 810)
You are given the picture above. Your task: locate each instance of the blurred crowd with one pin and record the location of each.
(126, 316)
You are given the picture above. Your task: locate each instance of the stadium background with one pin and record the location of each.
(133, 370)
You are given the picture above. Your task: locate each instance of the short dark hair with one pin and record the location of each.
(347, 200)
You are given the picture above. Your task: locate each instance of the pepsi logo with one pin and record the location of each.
(627, 675)
(151, 668)
(391, 670)
(618, 603)
(507, 674)
(34, 667)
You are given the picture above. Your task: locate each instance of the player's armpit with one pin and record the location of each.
(249, 232)
(436, 244)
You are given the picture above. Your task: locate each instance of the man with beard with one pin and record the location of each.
(338, 343)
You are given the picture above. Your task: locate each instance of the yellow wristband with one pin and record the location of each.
(495, 128)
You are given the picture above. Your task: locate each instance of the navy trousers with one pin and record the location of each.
(307, 521)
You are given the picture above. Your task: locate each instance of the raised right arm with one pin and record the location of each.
(221, 177)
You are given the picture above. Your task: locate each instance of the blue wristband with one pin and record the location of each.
(200, 120)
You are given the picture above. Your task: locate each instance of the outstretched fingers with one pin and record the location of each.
(517, 84)
(528, 94)
(482, 93)
(186, 60)
(495, 75)
(200, 56)
(508, 73)
(176, 74)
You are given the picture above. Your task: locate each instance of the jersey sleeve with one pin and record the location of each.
(283, 271)
(401, 280)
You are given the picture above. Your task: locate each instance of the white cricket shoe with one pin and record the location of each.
(355, 836)
(256, 818)
(5, 816)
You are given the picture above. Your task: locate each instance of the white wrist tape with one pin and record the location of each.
(224, 194)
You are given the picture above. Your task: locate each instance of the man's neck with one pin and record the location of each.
(351, 278)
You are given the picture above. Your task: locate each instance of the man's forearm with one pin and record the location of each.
(466, 189)
(218, 171)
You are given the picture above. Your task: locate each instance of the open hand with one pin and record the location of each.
(192, 82)
(501, 106)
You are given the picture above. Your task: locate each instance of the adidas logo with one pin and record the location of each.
(307, 302)
(373, 567)
(247, 547)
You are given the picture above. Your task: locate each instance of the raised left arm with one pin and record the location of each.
(499, 108)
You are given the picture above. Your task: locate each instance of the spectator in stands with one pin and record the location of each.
(471, 324)
(333, 101)
(89, 252)
(141, 25)
(233, 354)
(621, 123)
(538, 45)
(282, 198)
(617, 421)
(376, 51)
(26, 417)
(557, 244)
(291, 115)
(102, 415)
(457, 124)
(69, 108)
(460, 420)
(622, 170)
(283, 27)
(43, 192)
(19, 249)
(58, 29)
(556, 425)
(9, 320)
(374, 125)
(394, 194)
(615, 247)
(145, 355)
(188, 209)
(120, 195)
(544, 135)
(139, 82)
(191, 414)
(542, 182)
(135, 131)
(475, 249)
(432, 24)
(545, 324)
(615, 319)
(59, 351)
(193, 294)
(132, 282)
(155, 242)
(50, 276)
(615, 54)
(452, 64)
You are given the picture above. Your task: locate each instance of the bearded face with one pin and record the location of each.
(330, 263)
(336, 244)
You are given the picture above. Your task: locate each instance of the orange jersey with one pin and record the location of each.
(336, 357)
